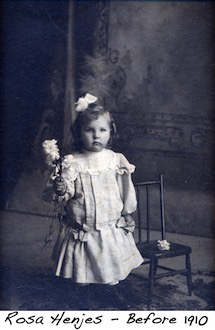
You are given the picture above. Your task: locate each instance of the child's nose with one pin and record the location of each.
(96, 134)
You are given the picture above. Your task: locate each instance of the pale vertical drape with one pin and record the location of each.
(69, 114)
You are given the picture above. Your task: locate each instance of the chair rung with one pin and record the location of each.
(170, 269)
(171, 273)
(145, 183)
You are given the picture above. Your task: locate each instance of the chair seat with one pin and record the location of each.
(150, 250)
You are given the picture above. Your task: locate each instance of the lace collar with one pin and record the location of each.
(96, 162)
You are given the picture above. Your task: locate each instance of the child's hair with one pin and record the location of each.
(84, 118)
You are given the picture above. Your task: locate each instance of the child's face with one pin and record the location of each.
(96, 134)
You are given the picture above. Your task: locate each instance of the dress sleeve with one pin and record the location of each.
(69, 174)
(126, 187)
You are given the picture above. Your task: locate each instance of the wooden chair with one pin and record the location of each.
(149, 248)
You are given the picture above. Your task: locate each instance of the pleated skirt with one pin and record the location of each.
(98, 256)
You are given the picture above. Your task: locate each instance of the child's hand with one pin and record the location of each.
(60, 186)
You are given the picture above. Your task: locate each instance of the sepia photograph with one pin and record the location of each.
(107, 157)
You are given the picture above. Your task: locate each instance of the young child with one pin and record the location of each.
(95, 242)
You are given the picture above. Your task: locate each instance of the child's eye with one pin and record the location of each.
(88, 129)
(103, 130)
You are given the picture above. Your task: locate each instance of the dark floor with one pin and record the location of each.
(43, 291)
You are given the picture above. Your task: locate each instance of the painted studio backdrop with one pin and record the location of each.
(151, 64)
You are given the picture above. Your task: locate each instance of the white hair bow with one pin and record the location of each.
(84, 101)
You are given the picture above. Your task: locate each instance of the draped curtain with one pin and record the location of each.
(69, 114)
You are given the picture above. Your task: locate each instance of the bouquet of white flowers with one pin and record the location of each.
(51, 151)
(53, 159)
(52, 154)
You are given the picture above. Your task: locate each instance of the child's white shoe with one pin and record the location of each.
(114, 283)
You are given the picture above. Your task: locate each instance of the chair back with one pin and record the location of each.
(150, 208)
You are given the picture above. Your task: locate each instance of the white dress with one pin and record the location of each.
(95, 242)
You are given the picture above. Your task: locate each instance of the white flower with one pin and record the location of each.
(68, 161)
(51, 151)
(84, 101)
(163, 245)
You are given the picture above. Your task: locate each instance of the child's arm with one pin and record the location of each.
(128, 194)
(127, 223)
(60, 186)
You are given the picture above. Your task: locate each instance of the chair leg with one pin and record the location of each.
(156, 266)
(189, 274)
(151, 281)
